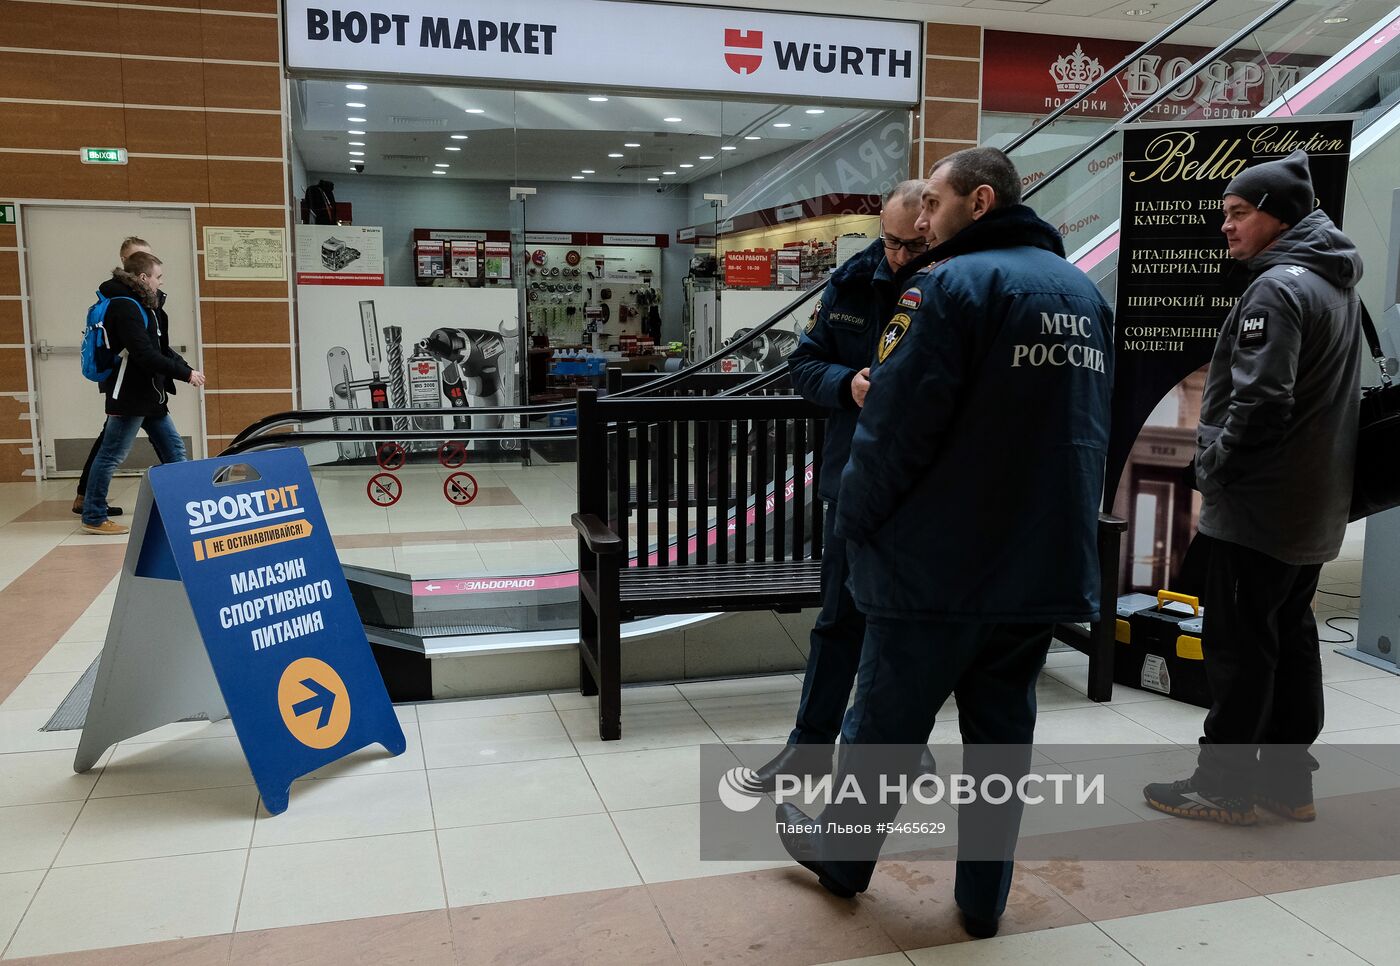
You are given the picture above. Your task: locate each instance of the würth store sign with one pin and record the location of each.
(1036, 73)
(611, 45)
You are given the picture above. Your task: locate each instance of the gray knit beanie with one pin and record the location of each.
(1283, 188)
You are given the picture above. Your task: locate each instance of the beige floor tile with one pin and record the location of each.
(643, 694)
(145, 769)
(665, 844)
(169, 823)
(349, 807)
(484, 741)
(291, 885)
(34, 777)
(31, 835)
(1083, 943)
(1357, 915)
(376, 760)
(738, 687)
(125, 903)
(68, 657)
(41, 692)
(1224, 934)
(649, 779)
(512, 792)
(521, 860)
(16, 890)
(483, 707)
(750, 717)
(644, 727)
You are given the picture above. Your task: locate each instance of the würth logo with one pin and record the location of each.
(748, 40)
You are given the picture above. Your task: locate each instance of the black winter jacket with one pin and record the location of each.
(976, 471)
(147, 368)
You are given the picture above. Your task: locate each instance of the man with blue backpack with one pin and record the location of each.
(127, 350)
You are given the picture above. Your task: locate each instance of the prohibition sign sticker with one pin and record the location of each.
(384, 489)
(390, 455)
(460, 488)
(453, 453)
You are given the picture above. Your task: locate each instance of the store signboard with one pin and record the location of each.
(594, 43)
(1036, 73)
(748, 269)
(339, 255)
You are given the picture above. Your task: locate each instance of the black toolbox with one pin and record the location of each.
(1159, 646)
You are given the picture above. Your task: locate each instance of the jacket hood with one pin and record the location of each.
(1016, 226)
(134, 289)
(1318, 245)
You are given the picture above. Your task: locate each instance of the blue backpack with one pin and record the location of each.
(98, 358)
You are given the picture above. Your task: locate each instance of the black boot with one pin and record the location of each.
(799, 761)
(978, 928)
(805, 849)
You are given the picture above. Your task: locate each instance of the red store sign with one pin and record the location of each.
(748, 269)
(1036, 73)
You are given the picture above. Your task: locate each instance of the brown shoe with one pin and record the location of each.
(78, 504)
(106, 528)
(1301, 811)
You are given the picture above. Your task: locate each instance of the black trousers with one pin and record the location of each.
(1265, 671)
(915, 666)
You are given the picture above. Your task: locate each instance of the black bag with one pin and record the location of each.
(1376, 485)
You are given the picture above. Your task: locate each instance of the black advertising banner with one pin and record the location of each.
(1176, 284)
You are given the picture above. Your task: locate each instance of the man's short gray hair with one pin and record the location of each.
(906, 193)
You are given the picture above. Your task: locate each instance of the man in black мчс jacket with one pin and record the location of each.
(831, 367)
(970, 506)
(145, 375)
(1274, 458)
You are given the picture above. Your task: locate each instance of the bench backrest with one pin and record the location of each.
(742, 472)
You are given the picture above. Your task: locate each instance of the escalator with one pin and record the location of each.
(475, 555)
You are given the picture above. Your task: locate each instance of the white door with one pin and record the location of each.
(70, 250)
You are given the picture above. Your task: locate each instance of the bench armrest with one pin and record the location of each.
(596, 535)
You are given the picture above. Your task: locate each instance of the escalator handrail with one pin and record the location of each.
(374, 436)
(312, 415)
(1230, 43)
(1108, 76)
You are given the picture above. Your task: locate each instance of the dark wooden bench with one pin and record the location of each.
(755, 462)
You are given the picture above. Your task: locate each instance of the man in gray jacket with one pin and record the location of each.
(1274, 459)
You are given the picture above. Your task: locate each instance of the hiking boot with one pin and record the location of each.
(1184, 800)
(106, 528)
(112, 511)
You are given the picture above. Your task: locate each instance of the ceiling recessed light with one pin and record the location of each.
(475, 110)
(450, 148)
(1335, 19)
(598, 100)
(673, 120)
(439, 172)
(1139, 12)
(614, 154)
(729, 147)
(653, 179)
(357, 144)
(357, 154)
(355, 132)
(631, 144)
(459, 137)
(668, 172)
(353, 104)
(442, 164)
(585, 170)
(752, 137)
(357, 87)
(577, 177)
(687, 166)
(781, 124)
(815, 110)
(707, 157)
(356, 120)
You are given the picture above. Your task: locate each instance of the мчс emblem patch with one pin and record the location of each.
(1253, 330)
(894, 331)
(911, 299)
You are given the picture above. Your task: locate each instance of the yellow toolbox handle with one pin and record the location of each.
(1165, 595)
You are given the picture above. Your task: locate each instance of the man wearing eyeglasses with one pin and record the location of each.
(831, 367)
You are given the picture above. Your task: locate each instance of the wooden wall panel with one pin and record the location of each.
(61, 127)
(235, 322)
(11, 322)
(162, 82)
(9, 273)
(38, 176)
(60, 77)
(166, 132)
(13, 463)
(12, 374)
(258, 368)
(246, 290)
(244, 135)
(230, 413)
(11, 425)
(952, 40)
(241, 86)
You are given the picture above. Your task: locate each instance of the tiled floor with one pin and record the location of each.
(507, 833)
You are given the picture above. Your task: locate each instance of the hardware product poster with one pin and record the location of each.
(1176, 285)
(339, 255)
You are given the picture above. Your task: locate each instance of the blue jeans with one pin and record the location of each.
(834, 652)
(118, 436)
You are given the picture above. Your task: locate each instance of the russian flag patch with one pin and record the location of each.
(911, 299)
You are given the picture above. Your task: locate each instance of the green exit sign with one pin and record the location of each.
(7, 214)
(103, 155)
